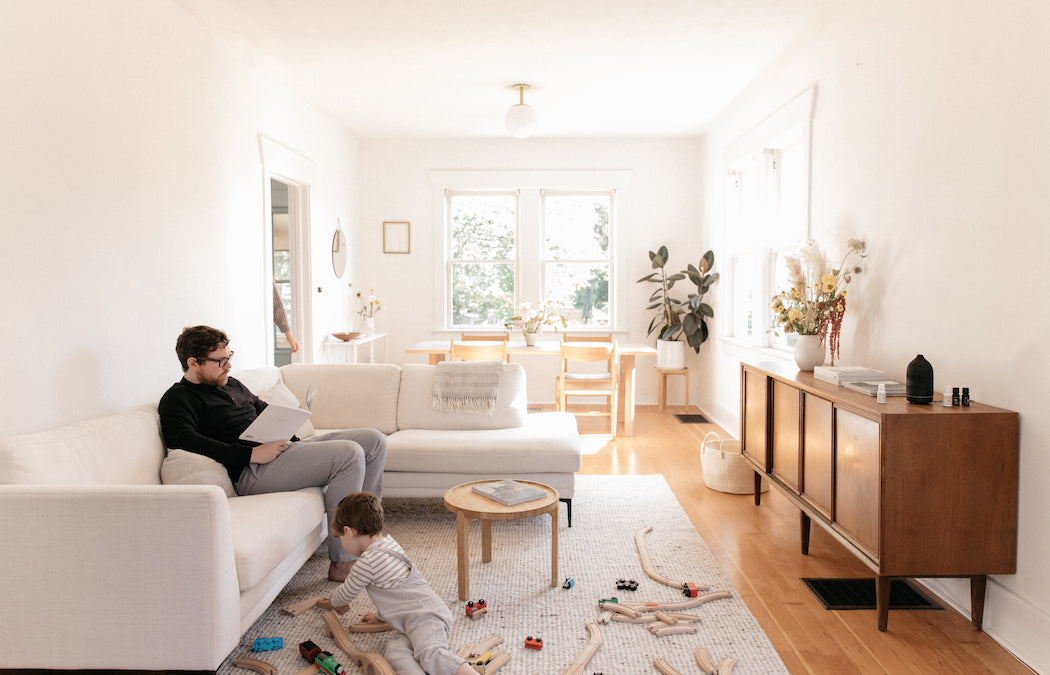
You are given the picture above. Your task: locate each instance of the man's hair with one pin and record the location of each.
(361, 512)
(197, 342)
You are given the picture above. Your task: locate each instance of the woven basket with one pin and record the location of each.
(724, 468)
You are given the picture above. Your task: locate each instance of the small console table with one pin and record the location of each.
(912, 490)
(339, 351)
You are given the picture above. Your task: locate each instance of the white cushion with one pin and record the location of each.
(415, 407)
(268, 528)
(182, 467)
(258, 379)
(119, 449)
(546, 442)
(279, 394)
(348, 396)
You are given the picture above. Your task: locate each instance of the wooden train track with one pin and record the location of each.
(703, 661)
(594, 641)
(257, 665)
(500, 657)
(372, 663)
(647, 562)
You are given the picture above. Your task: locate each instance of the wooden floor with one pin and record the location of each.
(759, 549)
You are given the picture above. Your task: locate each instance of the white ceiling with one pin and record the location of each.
(444, 68)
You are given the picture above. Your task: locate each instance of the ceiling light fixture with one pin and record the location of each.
(521, 118)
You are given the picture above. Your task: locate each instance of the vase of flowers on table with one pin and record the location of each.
(814, 305)
(532, 320)
(368, 306)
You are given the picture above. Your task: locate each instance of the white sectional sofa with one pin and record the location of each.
(105, 566)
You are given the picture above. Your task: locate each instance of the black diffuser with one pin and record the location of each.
(920, 381)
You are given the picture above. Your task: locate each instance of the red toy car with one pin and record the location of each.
(689, 589)
(533, 643)
(476, 610)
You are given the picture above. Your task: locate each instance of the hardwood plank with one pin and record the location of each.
(759, 550)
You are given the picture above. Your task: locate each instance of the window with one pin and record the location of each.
(483, 259)
(529, 236)
(767, 215)
(576, 257)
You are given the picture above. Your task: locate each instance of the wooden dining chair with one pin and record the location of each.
(483, 337)
(586, 337)
(489, 351)
(588, 383)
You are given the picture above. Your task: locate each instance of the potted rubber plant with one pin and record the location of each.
(674, 318)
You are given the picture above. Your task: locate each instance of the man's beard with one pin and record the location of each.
(218, 381)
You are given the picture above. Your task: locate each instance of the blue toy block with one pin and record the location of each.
(268, 644)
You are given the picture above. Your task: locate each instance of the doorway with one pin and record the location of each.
(284, 309)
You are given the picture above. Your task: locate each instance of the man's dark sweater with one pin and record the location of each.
(208, 420)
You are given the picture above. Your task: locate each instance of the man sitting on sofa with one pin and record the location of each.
(207, 411)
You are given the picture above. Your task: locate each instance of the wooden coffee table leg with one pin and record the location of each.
(486, 540)
(463, 555)
(554, 544)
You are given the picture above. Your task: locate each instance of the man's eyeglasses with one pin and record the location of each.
(222, 362)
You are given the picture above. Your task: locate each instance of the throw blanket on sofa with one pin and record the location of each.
(467, 386)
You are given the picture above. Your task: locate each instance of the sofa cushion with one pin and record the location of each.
(280, 394)
(125, 448)
(182, 467)
(415, 407)
(547, 442)
(267, 529)
(348, 396)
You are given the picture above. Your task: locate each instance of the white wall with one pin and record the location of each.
(929, 141)
(133, 203)
(662, 208)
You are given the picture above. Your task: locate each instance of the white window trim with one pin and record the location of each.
(525, 181)
(759, 145)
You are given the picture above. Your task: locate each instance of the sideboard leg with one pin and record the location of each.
(977, 588)
(804, 522)
(758, 489)
(882, 600)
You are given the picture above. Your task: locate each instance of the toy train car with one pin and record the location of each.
(324, 660)
(689, 589)
(475, 610)
(533, 643)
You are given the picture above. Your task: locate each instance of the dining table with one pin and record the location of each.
(626, 352)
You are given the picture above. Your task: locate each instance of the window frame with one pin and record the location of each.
(754, 223)
(529, 185)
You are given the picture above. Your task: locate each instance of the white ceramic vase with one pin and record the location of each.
(670, 354)
(809, 352)
(370, 325)
(530, 339)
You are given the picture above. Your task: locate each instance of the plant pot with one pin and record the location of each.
(370, 325)
(670, 354)
(530, 339)
(809, 352)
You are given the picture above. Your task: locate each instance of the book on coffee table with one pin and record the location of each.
(509, 492)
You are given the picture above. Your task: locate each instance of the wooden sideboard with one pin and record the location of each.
(912, 490)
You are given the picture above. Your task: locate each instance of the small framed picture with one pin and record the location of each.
(397, 237)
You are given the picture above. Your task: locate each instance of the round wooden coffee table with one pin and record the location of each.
(469, 506)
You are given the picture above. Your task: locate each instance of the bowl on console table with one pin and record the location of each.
(346, 337)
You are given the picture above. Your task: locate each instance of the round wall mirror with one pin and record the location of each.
(338, 251)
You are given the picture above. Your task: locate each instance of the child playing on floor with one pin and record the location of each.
(402, 597)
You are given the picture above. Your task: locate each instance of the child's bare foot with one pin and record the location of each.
(338, 571)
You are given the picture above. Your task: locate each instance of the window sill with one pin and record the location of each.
(742, 349)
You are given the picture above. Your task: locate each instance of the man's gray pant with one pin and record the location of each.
(343, 461)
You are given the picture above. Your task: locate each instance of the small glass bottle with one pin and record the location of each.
(966, 396)
(880, 395)
(946, 397)
(955, 396)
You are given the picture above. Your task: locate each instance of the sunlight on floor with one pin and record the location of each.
(592, 444)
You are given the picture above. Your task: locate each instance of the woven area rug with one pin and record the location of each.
(596, 551)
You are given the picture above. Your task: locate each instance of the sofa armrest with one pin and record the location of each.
(117, 577)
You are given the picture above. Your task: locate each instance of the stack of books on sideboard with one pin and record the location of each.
(859, 378)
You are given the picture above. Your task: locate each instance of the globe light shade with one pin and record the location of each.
(521, 120)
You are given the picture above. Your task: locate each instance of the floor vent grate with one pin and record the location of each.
(692, 419)
(860, 594)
